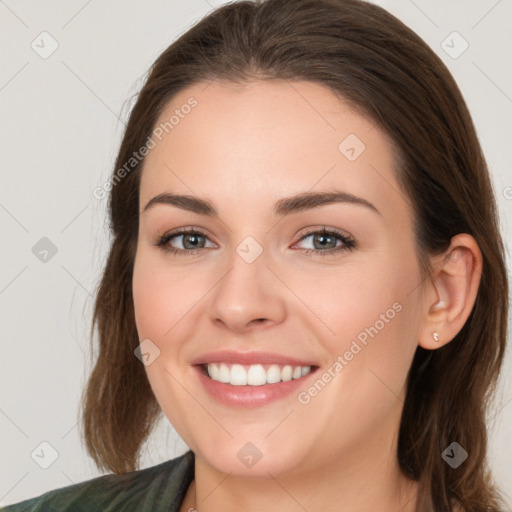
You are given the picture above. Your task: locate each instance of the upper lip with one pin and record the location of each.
(248, 358)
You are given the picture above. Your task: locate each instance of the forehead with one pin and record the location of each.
(256, 142)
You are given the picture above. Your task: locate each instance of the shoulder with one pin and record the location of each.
(156, 488)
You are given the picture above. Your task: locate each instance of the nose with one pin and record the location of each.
(249, 295)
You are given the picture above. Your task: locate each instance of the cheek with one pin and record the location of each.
(372, 319)
(350, 300)
(162, 297)
(152, 303)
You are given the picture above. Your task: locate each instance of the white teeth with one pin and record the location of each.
(273, 374)
(223, 374)
(238, 376)
(255, 375)
(213, 371)
(287, 373)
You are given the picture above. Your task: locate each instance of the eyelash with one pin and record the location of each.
(348, 242)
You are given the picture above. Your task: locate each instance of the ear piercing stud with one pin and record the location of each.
(435, 335)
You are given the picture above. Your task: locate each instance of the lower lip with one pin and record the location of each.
(250, 396)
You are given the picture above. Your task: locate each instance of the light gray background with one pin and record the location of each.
(62, 118)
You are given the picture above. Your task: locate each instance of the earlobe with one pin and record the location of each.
(452, 291)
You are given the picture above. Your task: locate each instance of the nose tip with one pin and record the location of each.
(246, 297)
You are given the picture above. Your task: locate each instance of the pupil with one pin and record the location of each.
(324, 238)
(187, 239)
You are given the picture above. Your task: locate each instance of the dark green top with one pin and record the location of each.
(160, 488)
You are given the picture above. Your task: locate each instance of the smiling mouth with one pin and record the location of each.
(255, 374)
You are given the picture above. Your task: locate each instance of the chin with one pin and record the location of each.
(255, 459)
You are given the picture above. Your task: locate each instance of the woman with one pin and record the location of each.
(306, 275)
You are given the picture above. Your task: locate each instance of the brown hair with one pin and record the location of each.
(388, 74)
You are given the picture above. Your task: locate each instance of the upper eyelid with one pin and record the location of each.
(329, 231)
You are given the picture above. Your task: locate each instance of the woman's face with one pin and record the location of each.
(257, 275)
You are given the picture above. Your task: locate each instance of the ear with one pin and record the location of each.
(451, 291)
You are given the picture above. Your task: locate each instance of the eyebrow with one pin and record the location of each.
(286, 206)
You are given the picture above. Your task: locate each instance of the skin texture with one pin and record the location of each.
(243, 148)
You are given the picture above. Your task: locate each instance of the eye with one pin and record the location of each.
(325, 242)
(191, 241)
